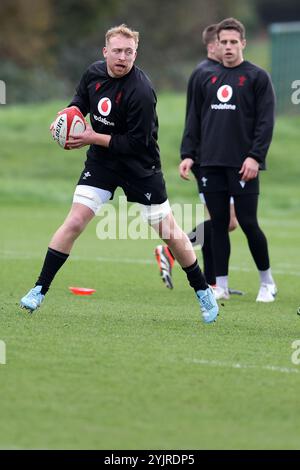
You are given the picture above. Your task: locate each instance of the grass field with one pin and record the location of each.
(133, 366)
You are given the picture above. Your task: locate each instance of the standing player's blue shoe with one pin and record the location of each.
(208, 305)
(33, 299)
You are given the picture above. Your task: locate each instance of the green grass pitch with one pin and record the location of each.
(133, 366)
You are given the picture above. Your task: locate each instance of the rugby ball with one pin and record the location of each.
(69, 121)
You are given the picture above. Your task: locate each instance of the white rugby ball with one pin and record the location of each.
(69, 121)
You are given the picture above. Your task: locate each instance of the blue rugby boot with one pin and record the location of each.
(208, 305)
(33, 299)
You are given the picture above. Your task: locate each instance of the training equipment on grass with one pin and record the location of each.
(69, 121)
(82, 290)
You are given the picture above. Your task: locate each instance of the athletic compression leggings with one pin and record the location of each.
(246, 213)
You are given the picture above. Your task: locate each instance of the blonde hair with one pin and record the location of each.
(124, 31)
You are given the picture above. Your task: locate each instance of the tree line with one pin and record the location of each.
(45, 45)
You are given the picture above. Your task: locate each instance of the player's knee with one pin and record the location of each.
(233, 224)
(75, 224)
(155, 213)
(220, 222)
(87, 196)
(249, 226)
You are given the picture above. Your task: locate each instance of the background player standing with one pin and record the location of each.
(231, 122)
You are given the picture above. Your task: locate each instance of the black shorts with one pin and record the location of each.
(148, 190)
(215, 179)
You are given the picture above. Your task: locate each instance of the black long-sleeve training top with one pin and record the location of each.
(206, 65)
(124, 108)
(230, 115)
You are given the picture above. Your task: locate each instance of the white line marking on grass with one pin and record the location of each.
(275, 271)
(205, 362)
(7, 254)
(11, 447)
(123, 260)
(285, 223)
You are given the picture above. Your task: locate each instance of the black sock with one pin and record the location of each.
(53, 262)
(208, 255)
(195, 277)
(201, 235)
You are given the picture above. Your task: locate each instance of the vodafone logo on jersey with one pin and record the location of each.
(224, 93)
(104, 106)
